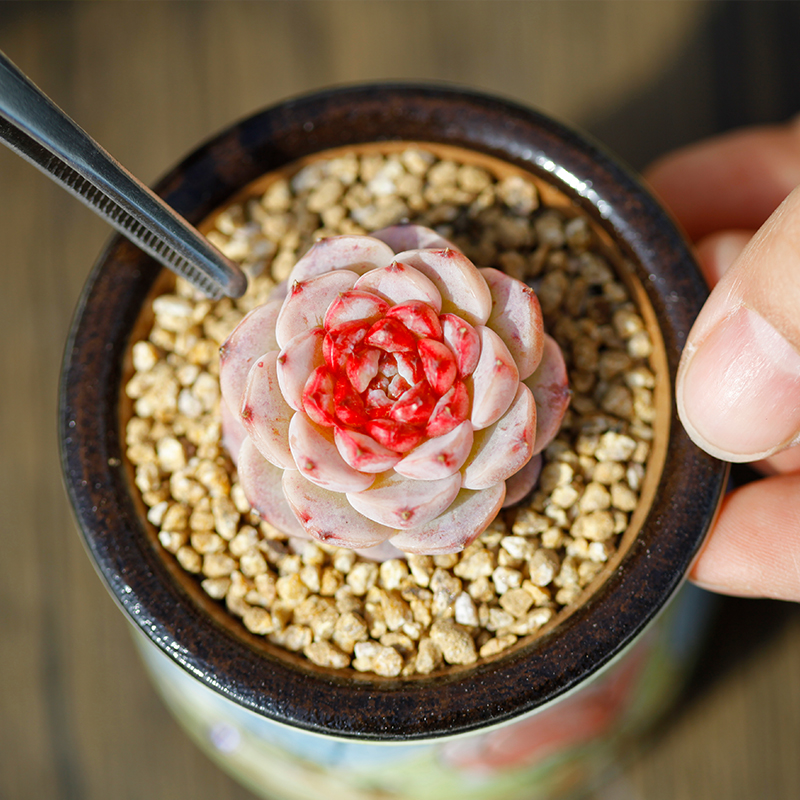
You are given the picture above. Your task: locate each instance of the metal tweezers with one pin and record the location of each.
(34, 127)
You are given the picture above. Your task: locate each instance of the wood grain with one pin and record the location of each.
(78, 717)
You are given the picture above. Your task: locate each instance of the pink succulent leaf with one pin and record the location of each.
(439, 364)
(464, 291)
(451, 409)
(463, 340)
(439, 457)
(261, 482)
(397, 387)
(362, 452)
(466, 518)
(341, 341)
(380, 552)
(233, 432)
(304, 307)
(378, 402)
(362, 367)
(318, 397)
(402, 503)
(550, 387)
(394, 435)
(517, 317)
(328, 517)
(356, 253)
(414, 406)
(505, 446)
(355, 305)
(251, 338)
(523, 481)
(350, 408)
(296, 361)
(494, 382)
(419, 318)
(265, 414)
(318, 459)
(391, 336)
(400, 283)
(412, 237)
(409, 368)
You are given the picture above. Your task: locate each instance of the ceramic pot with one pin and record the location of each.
(540, 716)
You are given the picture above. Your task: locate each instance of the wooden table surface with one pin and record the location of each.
(78, 718)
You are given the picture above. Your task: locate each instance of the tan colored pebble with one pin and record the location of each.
(190, 559)
(516, 601)
(291, 588)
(497, 645)
(216, 587)
(429, 656)
(324, 654)
(172, 541)
(596, 526)
(455, 643)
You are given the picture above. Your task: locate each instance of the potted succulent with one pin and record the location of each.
(400, 388)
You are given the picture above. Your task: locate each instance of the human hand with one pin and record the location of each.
(738, 386)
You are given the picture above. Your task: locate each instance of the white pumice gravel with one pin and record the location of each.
(419, 615)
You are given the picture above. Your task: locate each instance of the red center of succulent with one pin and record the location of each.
(388, 374)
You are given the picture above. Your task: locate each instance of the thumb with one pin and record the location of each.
(738, 386)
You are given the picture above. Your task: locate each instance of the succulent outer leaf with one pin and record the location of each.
(412, 237)
(494, 382)
(233, 432)
(461, 285)
(356, 253)
(517, 317)
(466, 518)
(305, 306)
(362, 452)
(318, 459)
(550, 387)
(265, 414)
(439, 457)
(463, 340)
(451, 409)
(380, 552)
(403, 503)
(520, 483)
(399, 283)
(419, 318)
(328, 517)
(439, 364)
(355, 304)
(250, 339)
(505, 446)
(262, 485)
(296, 361)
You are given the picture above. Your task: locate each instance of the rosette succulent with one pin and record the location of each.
(392, 392)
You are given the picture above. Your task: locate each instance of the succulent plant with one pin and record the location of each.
(392, 391)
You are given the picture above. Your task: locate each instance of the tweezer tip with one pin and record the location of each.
(236, 285)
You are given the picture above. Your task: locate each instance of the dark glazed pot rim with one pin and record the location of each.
(100, 491)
